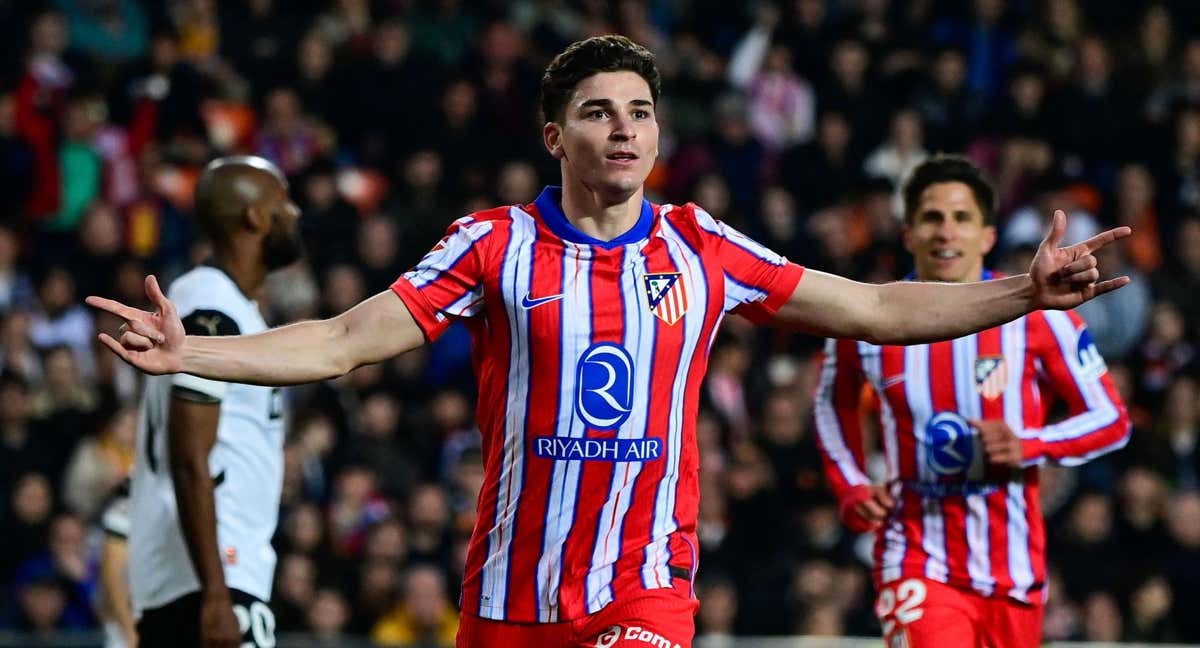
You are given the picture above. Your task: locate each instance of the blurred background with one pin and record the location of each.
(794, 120)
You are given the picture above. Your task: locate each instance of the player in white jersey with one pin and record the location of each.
(207, 482)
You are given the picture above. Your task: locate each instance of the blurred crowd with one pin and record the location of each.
(795, 121)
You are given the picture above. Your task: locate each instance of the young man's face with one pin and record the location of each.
(608, 136)
(947, 235)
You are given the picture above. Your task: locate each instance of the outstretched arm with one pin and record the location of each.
(919, 312)
(374, 330)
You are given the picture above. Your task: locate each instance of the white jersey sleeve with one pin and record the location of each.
(205, 310)
(114, 520)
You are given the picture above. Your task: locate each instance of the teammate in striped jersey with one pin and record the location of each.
(960, 543)
(592, 311)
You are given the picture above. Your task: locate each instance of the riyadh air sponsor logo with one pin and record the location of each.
(548, 447)
(609, 637)
(604, 386)
(950, 444)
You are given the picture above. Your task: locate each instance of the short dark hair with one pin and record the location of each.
(948, 168)
(594, 55)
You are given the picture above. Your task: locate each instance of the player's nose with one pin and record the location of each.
(622, 129)
(946, 231)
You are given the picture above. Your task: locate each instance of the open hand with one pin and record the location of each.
(152, 342)
(1065, 277)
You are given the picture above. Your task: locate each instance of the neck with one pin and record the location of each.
(241, 259)
(599, 215)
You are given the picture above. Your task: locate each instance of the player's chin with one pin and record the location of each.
(626, 180)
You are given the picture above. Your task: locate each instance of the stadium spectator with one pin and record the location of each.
(66, 564)
(424, 615)
(100, 463)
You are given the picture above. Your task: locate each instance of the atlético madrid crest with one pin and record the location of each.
(991, 375)
(666, 296)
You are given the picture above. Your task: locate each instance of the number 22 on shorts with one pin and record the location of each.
(900, 604)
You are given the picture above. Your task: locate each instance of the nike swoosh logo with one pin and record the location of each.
(893, 380)
(528, 303)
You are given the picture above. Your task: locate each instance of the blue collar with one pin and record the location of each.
(987, 275)
(548, 208)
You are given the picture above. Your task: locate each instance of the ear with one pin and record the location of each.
(257, 218)
(989, 239)
(552, 138)
(906, 236)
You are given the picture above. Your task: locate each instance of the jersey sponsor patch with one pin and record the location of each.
(210, 322)
(991, 376)
(553, 447)
(604, 386)
(1088, 356)
(666, 296)
(609, 638)
(646, 636)
(950, 446)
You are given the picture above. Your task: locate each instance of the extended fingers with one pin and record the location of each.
(155, 293)
(115, 307)
(114, 346)
(1104, 238)
(1058, 225)
(1109, 285)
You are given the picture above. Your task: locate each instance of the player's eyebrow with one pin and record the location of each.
(937, 213)
(608, 103)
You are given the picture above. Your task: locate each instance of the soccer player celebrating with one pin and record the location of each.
(209, 470)
(960, 543)
(591, 312)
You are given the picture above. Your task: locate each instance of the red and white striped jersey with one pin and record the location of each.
(959, 521)
(589, 357)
